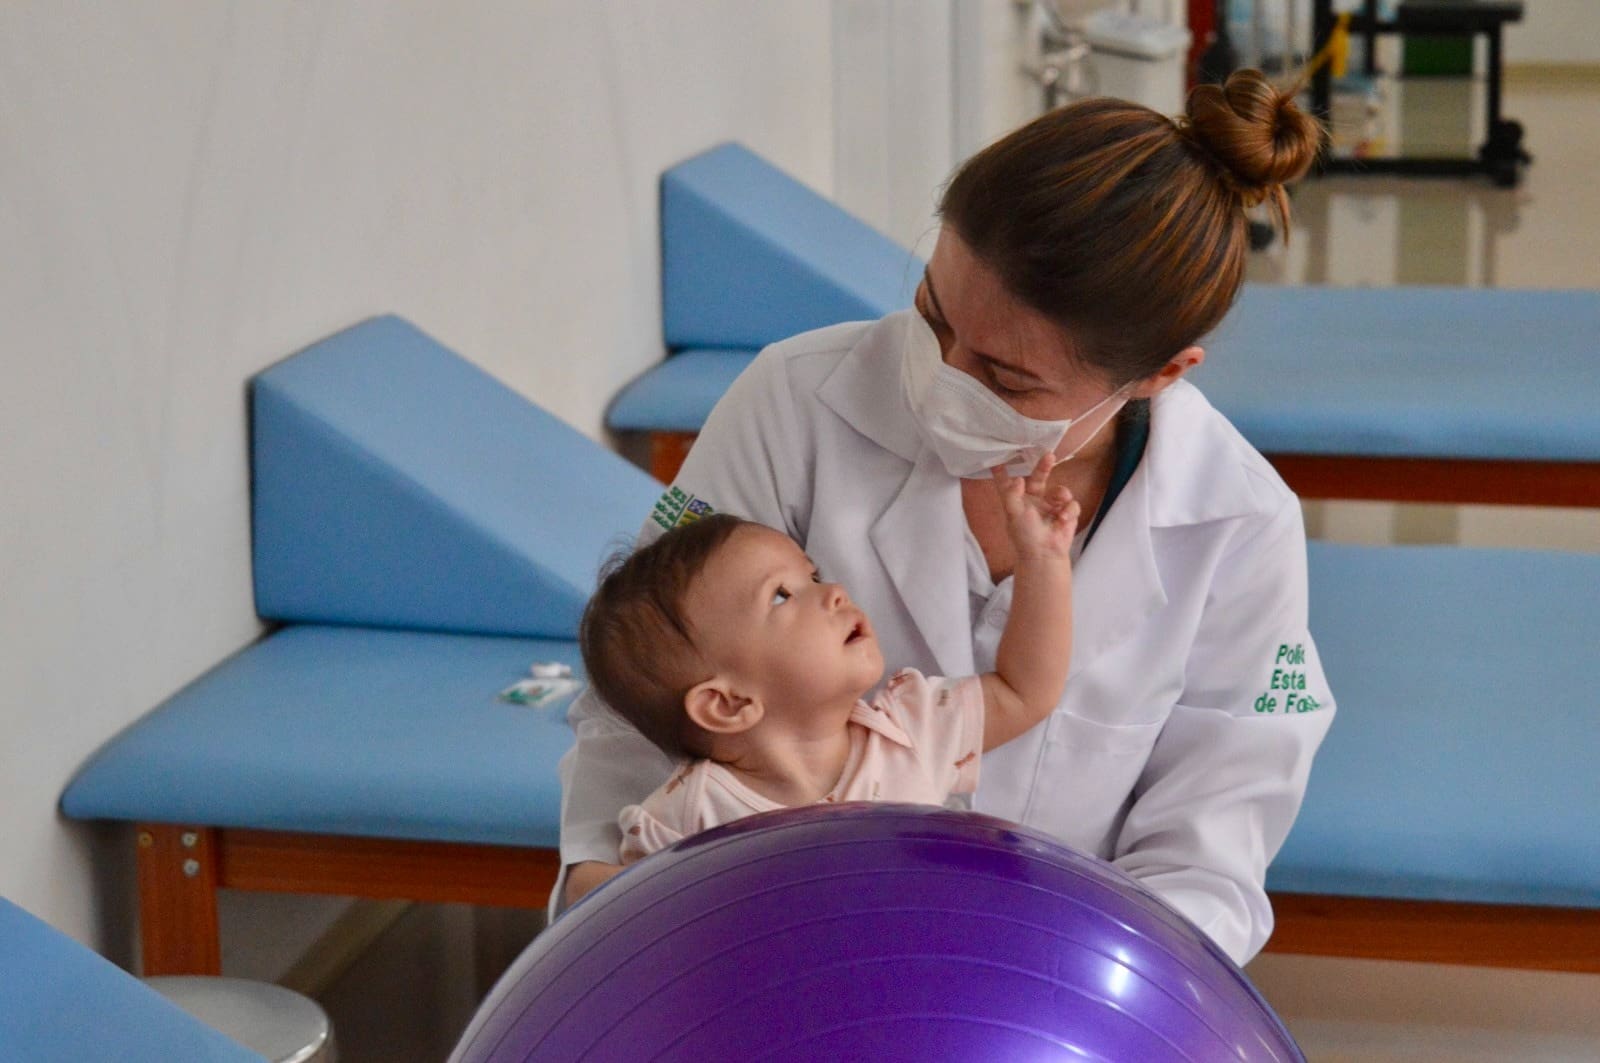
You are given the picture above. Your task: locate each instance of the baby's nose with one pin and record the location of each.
(835, 597)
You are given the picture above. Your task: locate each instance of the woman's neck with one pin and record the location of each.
(1087, 476)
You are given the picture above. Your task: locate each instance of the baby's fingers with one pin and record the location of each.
(1009, 488)
(1039, 478)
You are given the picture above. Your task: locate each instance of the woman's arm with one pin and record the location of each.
(609, 766)
(581, 878)
(1226, 777)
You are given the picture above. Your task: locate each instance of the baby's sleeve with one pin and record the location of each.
(944, 718)
(659, 820)
(643, 833)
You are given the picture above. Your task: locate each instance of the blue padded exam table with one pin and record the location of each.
(424, 535)
(1408, 394)
(1416, 394)
(1446, 395)
(1447, 817)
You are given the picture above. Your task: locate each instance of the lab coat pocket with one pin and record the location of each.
(1086, 773)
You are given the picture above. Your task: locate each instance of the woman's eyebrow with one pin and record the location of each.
(933, 297)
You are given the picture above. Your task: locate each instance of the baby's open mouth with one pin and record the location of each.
(859, 631)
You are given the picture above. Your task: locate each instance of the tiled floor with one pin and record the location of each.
(406, 999)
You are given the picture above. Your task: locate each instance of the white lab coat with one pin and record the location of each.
(1188, 600)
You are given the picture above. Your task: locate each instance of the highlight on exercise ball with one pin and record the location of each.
(882, 932)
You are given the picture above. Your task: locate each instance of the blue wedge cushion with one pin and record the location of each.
(1411, 372)
(751, 256)
(397, 485)
(677, 395)
(62, 1003)
(1462, 764)
(330, 730)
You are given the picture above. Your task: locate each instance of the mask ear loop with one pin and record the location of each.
(1111, 416)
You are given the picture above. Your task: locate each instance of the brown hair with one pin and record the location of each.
(1125, 227)
(636, 638)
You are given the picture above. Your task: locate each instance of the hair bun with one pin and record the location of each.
(1254, 131)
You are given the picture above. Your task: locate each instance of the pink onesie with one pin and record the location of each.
(919, 741)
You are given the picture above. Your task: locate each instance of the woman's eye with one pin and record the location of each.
(934, 321)
(780, 596)
(1002, 389)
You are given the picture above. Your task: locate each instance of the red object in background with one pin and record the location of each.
(1202, 26)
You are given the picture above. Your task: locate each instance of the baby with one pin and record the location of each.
(722, 644)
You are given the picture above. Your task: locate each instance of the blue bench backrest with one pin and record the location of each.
(62, 1003)
(750, 256)
(398, 485)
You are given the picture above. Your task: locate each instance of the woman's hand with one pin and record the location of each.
(1041, 520)
(581, 878)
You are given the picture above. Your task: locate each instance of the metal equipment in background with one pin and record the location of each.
(1501, 156)
(1124, 48)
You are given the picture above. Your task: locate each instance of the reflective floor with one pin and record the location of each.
(1380, 231)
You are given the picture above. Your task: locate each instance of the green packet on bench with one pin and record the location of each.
(551, 681)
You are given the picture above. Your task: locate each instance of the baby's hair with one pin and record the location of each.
(637, 642)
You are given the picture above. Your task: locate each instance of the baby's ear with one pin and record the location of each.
(715, 707)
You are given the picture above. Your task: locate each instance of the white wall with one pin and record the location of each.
(893, 82)
(190, 191)
(1555, 31)
(919, 85)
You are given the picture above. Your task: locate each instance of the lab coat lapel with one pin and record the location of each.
(920, 540)
(1116, 587)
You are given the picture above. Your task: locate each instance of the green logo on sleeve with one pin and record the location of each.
(1286, 689)
(676, 506)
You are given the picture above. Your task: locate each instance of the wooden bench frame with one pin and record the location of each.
(1524, 937)
(1447, 481)
(182, 867)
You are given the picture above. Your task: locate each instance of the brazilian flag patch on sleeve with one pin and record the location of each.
(677, 507)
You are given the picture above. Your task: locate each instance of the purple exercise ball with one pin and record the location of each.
(873, 932)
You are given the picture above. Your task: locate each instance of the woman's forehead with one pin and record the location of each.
(988, 318)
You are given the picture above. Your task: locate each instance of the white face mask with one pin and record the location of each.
(970, 427)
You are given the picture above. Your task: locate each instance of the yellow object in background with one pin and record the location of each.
(1339, 46)
(1336, 50)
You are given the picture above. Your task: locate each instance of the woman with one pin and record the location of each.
(1081, 259)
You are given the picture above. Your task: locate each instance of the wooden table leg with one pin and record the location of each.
(667, 451)
(178, 899)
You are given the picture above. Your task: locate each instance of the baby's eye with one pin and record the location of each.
(781, 595)
(816, 577)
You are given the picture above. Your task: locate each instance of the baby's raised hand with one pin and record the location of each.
(1040, 519)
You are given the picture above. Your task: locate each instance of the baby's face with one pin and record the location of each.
(762, 614)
